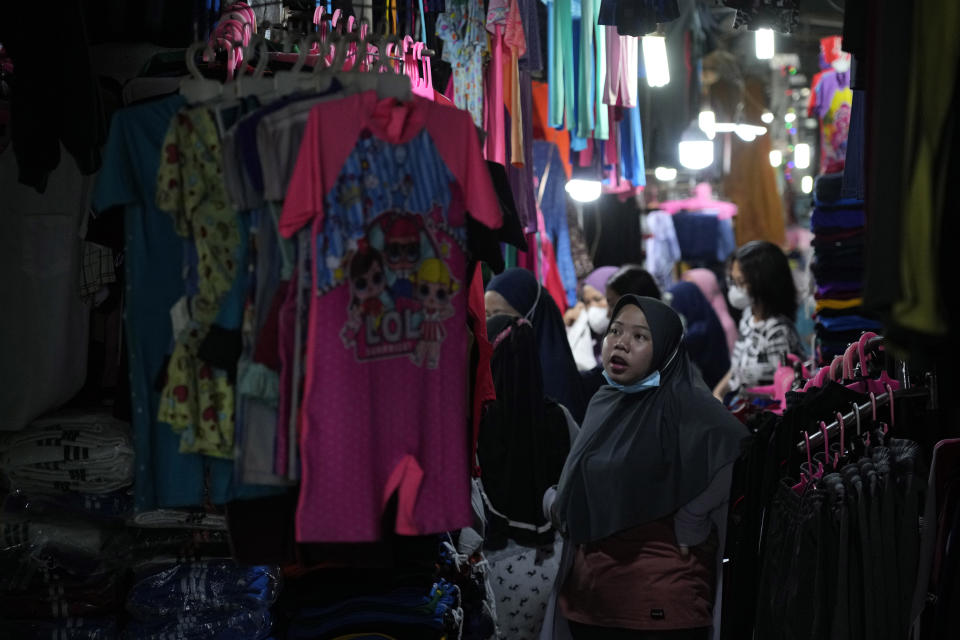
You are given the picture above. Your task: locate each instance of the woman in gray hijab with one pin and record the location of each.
(642, 497)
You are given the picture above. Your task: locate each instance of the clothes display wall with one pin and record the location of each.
(824, 534)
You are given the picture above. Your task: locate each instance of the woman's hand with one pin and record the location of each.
(573, 313)
(723, 386)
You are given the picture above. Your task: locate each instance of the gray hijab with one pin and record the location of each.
(641, 456)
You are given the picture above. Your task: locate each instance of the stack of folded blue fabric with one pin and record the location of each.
(403, 612)
(215, 600)
(838, 225)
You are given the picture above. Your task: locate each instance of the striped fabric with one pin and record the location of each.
(88, 453)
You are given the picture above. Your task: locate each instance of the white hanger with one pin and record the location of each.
(390, 83)
(196, 89)
(256, 84)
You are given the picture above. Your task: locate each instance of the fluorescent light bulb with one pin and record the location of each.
(767, 117)
(696, 154)
(790, 117)
(708, 123)
(776, 158)
(806, 184)
(765, 44)
(584, 190)
(801, 155)
(655, 61)
(665, 174)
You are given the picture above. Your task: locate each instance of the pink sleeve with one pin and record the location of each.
(328, 139)
(305, 194)
(454, 135)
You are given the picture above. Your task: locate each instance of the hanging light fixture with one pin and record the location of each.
(806, 184)
(665, 174)
(765, 44)
(584, 190)
(767, 117)
(655, 60)
(801, 155)
(776, 158)
(695, 149)
(790, 117)
(708, 123)
(749, 132)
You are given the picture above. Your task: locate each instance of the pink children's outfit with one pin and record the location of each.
(386, 187)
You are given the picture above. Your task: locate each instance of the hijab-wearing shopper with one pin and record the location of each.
(516, 292)
(708, 284)
(524, 441)
(587, 322)
(703, 333)
(631, 279)
(762, 285)
(642, 498)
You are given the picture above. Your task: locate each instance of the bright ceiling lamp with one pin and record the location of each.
(696, 149)
(806, 184)
(655, 60)
(790, 117)
(584, 190)
(801, 155)
(765, 46)
(749, 132)
(767, 117)
(708, 123)
(665, 174)
(776, 158)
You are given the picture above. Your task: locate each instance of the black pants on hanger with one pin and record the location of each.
(590, 632)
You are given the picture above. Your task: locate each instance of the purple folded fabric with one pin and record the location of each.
(840, 290)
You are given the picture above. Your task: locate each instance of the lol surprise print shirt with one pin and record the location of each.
(386, 187)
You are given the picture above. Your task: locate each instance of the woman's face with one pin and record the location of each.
(736, 277)
(497, 305)
(628, 347)
(593, 298)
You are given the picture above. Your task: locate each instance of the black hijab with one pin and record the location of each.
(561, 379)
(641, 456)
(524, 439)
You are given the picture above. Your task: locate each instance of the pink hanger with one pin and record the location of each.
(849, 358)
(836, 368)
(890, 396)
(826, 448)
(843, 438)
(798, 488)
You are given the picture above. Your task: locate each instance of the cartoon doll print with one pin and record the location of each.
(402, 248)
(435, 288)
(368, 292)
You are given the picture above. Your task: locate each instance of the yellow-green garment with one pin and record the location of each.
(936, 53)
(839, 304)
(197, 400)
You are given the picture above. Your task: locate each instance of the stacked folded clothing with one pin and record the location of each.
(216, 599)
(73, 453)
(839, 237)
(63, 549)
(408, 612)
(60, 579)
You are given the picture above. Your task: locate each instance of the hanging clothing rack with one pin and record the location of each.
(881, 400)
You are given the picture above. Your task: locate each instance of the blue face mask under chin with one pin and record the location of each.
(651, 381)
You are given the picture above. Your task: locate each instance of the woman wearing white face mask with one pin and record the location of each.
(761, 285)
(587, 322)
